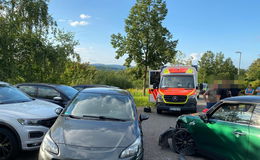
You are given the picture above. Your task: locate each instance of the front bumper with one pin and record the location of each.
(191, 105)
(32, 136)
(78, 153)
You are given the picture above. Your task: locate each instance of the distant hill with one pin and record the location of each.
(113, 67)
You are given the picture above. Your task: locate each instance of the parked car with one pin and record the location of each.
(99, 123)
(229, 130)
(83, 86)
(58, 94)
(23, 121)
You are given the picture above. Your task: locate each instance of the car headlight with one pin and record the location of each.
(29, 122)
(49, 145)
(133, 150)
(159, 98)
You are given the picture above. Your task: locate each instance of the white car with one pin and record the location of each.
(23, 121)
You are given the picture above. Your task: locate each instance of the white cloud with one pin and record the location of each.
(78, 23)
(195, 57)
(84, 16)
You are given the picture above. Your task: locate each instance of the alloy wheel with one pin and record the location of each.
(183, 142)
(5, 147)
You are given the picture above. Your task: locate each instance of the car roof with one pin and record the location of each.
(4, 83)
(94, 86)
(41, 84)
(106, 91)
(243, 99)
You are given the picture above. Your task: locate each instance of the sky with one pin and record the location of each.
(223, 26)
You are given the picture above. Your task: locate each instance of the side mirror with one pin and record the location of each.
(58, 111)
(143, 117)
(197, 87)
(57, 98)
(204, 117)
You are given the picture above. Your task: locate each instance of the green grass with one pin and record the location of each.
(140, 100)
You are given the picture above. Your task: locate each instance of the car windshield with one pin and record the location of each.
(101, 105)
(68, 91)
(9, 94)
(177, 81)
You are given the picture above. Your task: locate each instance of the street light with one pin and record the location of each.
(239, 61)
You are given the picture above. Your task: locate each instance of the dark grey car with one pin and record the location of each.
(99, 124)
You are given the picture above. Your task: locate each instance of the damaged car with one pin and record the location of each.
(229, 130)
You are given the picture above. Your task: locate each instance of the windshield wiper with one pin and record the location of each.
(105, 118)
(72, 116)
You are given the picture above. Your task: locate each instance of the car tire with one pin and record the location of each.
(183, 142)
(8, 145)
(159, 111)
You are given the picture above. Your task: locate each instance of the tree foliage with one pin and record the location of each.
(32, 47)
(146, 42)
(253, 72)
(215, 66)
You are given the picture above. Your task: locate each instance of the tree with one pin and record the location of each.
(253, 72)
(215, 66)
(206, 66)
(32, 48)
(181, 59)
(146, 42)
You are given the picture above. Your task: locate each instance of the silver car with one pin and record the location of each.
(23, 121)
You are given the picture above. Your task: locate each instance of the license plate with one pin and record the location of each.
(175, 109)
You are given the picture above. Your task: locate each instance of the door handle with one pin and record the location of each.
(239, 133)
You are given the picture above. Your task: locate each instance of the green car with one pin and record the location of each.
(229, 130)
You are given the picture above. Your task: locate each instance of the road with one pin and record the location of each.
(152, 128)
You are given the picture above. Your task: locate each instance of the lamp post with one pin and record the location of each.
(239, 61)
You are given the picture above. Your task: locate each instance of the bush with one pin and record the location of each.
(140, 100)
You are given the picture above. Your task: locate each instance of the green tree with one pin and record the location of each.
(78, 73)
(147, 42)
(32, 48)
(253, 72)
(181, 59)
(215, 66)
(206, 66)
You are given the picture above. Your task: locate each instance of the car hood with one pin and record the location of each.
(177, 91)
(37, 109)
(93, 133)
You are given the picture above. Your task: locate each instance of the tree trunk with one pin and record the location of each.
(144, 82)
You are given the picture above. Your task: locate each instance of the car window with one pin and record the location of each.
(177, 82)
(238, 113)
(78, 88)
(30, 90)
(256, 116)
(70, 92)
(9, 94)
(113, 106)
(47, 92)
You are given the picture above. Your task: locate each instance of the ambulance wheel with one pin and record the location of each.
(159, 111)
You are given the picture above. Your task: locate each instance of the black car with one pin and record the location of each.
(99, 124)
(83, 86)
(58, 94)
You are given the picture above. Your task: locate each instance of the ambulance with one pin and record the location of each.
(173, 88)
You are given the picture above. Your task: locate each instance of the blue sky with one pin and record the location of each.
(218, 25)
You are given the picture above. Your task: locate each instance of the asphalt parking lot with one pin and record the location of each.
(152, 128)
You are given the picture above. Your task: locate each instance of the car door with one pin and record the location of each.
(48, 93)
(226, 133)
(254, 132)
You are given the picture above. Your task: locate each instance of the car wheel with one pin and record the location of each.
(8, 145)
(159, 111)
(183, 142)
